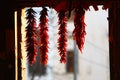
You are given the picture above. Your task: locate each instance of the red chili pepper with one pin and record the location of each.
(79, 31)
(44, 36)
(31, 36)
(62, 41)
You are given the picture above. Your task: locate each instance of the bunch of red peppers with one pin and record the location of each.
(62, 40)
(43, 25)
(31, 36)
(78, 32)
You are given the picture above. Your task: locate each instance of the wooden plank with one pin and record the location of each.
(16, 47)
(19, 43)
(23, 44)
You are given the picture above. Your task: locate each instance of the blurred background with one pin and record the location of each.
(92, 63)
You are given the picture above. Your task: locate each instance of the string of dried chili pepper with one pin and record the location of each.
(79, 30)
(44, 37)
(31, 36)
(62, 40)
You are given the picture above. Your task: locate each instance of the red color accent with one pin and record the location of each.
(31, 34)
(79, 31)
(61, 6)
(44, 36)
(106, 5)
(95, 7)
(62, 36)
(85, 5)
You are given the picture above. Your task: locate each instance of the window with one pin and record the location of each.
(93, 63)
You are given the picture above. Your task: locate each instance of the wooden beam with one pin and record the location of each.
(38, 3)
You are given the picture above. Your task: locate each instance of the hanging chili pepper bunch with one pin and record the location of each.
(43, 25)
(61, 8)
(79, 30)
(31, 36)
(62, 41)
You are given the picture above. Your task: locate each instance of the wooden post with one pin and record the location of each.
(16, 47)
(18, 44)
(23, 50)
(114, 41)
(21, 53)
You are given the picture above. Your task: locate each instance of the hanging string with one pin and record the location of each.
(31, 36)
(43, 36)
(79, 31)
(62, 40)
